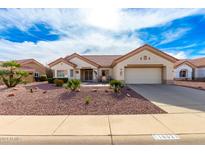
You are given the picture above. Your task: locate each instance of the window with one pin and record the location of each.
(61, 73)
(121, 72)
(105, 72)
(145, 57)
(183, 74)
(71, 73)
(36, 74)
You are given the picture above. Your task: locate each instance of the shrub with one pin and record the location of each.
(87, 100)
(11, 75)
(50, 80)
(116, 85)
(24, 82)
(43, 78)
(65, 80)
(73, 84)
(58, 83)
(49, 72)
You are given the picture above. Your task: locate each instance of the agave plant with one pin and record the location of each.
(73, 84)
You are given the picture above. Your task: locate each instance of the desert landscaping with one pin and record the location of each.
(47, 99)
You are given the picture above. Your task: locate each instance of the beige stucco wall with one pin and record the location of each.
(168, 73)
(62, 66)
(110, 71)
(81, 63)
(37, 67)
(183, 67)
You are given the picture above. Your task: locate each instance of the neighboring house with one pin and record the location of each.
(33, 67)
(184, 70)
(144, 65)
(190, 69)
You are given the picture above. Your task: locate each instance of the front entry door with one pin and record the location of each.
(88, 75)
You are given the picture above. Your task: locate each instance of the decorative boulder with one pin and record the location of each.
(11, 94)
(44, 92)
(128, 95)
(94, 90)
(78, 90)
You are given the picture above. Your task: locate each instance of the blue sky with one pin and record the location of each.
(47, 34)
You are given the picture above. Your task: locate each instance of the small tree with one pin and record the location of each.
(49, 72)
(116, 85)
(73, 84)
(10, 75)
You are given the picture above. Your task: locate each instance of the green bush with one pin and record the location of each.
(43, 78)
(88, 99)
(65, 80)
(10, 75)
(116, 85)
(58, 83)
(50, 80)
(73, 84)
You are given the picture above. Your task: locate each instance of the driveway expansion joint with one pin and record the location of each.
(60, 125)
(162, 124)
(111, 137)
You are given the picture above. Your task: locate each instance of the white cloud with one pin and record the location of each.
(172, 35)
(178, 55)
(45, 52)
(108, 18)
(81, 29)
(105, 18)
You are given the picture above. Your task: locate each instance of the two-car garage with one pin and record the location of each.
(145, 65)
(143, 75)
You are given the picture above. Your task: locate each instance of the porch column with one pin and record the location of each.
(95, 75)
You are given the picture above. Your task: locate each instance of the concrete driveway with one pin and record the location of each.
(172, 98)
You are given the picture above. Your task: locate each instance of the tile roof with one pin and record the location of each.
(103, 60)
(20, 60)
(28, 68)
(180, 61)
(184, 61)
(199, 62)
(23, 60)
(61, 60)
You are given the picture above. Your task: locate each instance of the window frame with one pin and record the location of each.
(105, 72)
(60, 76)
(38, 74)
(71, 74)
(183, 73)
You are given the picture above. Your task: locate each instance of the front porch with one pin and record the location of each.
(87, 75)
(94, 75)
(84, 74)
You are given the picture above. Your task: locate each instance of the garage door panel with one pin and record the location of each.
(143, 75)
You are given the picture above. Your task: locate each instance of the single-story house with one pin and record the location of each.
(144, 65)
(33, 67)
(190, 69)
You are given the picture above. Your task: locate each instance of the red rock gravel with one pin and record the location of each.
(47, 99)
(191, 84)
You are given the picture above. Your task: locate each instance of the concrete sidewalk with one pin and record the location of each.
(105, 129)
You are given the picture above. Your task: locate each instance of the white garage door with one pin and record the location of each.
(143, 75)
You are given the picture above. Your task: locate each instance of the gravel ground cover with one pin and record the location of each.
(191, 84)
(47, 99)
